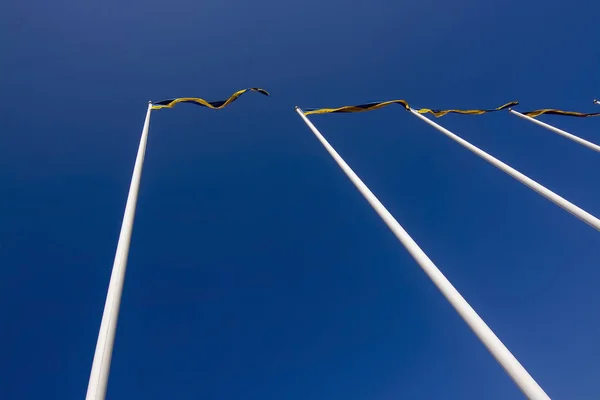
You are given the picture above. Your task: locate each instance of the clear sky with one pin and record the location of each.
(256, 270)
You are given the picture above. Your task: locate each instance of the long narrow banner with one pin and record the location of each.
(558, 131)
(488, 338)
(552, 111)
(441, 113)
(357, 108)
(404, 103)
(530, 183)
(215, 105)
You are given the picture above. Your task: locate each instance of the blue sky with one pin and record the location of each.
(256, 270)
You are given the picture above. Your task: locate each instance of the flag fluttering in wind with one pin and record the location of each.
(498, 350)
(404, 103)
(104, 346)
(215, 105)
(552, 111)
(561, 132)
(441, 113)
(358, 108)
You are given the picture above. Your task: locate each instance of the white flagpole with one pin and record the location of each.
(568, 135)
(510, 364)
(106, 337)
(530, 183)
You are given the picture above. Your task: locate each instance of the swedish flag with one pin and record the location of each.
(551, 111)
(404, 103)
(441, 113)
(215, 105)
(357, 108)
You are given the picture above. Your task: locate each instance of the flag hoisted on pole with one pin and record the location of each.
(561, 132)
(498, 350)
(547, 193)
(530, 183)
(106, 337)
(554, 111)
(380, 104)
(215, 105)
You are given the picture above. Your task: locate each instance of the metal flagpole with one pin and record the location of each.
(510, 364)
(106, 337)
(568, 135)
(530, 183)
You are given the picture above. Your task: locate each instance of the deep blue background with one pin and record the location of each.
(257, 271)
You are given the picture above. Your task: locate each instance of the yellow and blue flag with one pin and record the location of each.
(552, 111)
(357, 108)
(215, 105)
(441, 113)
(404, 103)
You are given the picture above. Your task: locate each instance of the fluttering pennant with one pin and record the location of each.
(551, 111)
(441, 113)
(357, 108)
(380, 104)
(215, 105)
